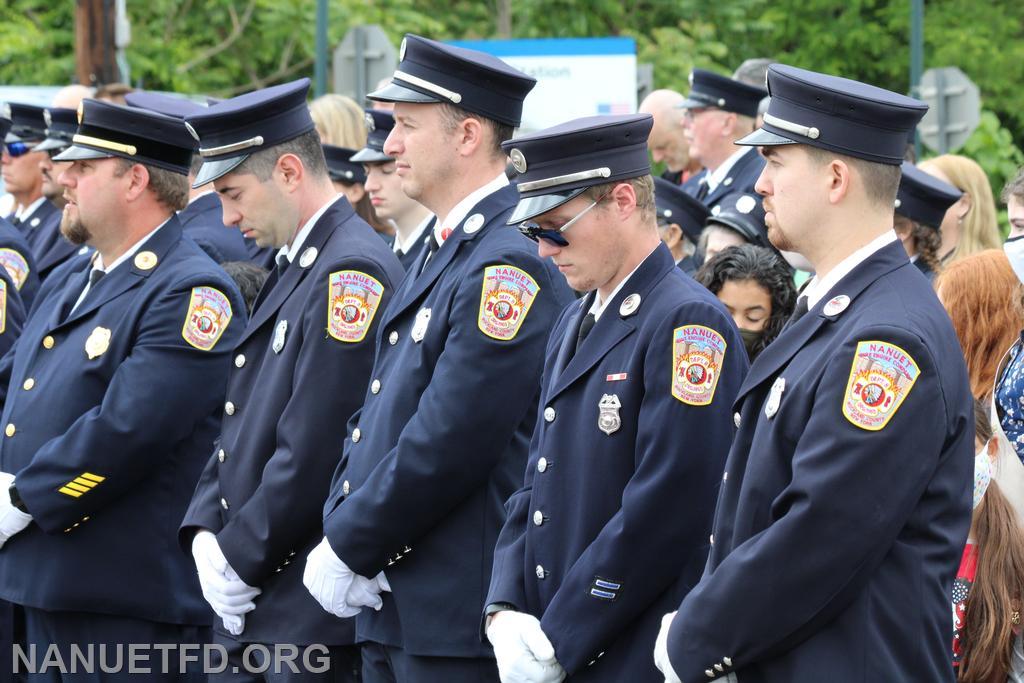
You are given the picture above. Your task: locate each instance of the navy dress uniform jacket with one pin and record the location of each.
(741, 178)
(441, 440)
(611, 527)
(839, 529)
(203, 221)
(12, 312)
(17, 259)
(108, 413)
(292, 388)
(37, 227)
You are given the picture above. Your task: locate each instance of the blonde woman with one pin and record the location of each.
(970, 224)
(339, 121)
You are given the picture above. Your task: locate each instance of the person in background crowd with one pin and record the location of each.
(1010, 380)
(985, 301)
(339, 121)
(680, 222)
(70, 96)
(113, 92)
(988, 593)
(756, 286)
(51, 248)
(738, 219)
(970, 224)
(754, 71)
(249, 277)
(410, 219)
(1013, 197)
(349, 178)
(667, 141)
(921, 205)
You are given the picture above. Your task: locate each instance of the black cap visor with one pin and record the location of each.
(212, 170)
(370, 156)
(397, 92)
(531, 207)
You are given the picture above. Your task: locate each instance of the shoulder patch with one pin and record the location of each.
(15, 265)
(3, 306)
(352, 301)
(880, 380)
(697, 355)
(507, 295)
(209, 313)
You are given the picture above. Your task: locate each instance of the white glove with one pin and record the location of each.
(661, 650)
(382, 583)
(12, 520)
(524, 653)
(228, 595)
(337, 588)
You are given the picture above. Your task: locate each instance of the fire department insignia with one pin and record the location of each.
(209, 313)
(608, 419)
(3, 306)
(880, 380)
(352, 300)
(15, 265)
(697, 355)
(507, 296)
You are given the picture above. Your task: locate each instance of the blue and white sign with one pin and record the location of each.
(575, 76)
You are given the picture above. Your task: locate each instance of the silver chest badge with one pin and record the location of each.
(771, 406)
(419, 326)
(279, 332)
(608, 421)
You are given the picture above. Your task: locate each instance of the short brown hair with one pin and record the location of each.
(306, 147)
(1014, 188)
(452, 116)
(643, 187)
(881, 181)
(170, 188)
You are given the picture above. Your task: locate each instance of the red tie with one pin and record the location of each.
(445, 234)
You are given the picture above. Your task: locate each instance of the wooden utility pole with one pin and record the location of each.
(95, 49)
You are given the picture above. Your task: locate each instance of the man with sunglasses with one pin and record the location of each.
(444, 430)
(611, 523)
(15, 251)
(718, 111)
(22, 175)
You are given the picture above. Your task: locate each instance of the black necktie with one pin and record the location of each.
(585, 327)
(702, 189)
(95, 275)
(800, 310)
(15, 221)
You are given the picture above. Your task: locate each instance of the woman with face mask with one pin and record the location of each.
(989, 588)
(757, 288)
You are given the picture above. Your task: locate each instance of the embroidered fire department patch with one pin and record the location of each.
(3, 306)
(880, 380)
(507, 296)
(352, 301)
(209, 313)
(697, 355)
(15, 265)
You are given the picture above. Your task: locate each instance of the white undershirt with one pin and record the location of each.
(404, 246)
(597, 308)
(820, 285)
(24, 212)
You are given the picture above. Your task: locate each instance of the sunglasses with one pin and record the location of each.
(19, 148)
(554, 235)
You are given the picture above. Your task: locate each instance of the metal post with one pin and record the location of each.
(942, 111)
(916, 57)
(360, 64)
(320, 65)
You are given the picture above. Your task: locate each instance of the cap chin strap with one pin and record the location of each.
(543, 183)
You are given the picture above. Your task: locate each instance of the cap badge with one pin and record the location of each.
(746, 204)
(191, 131)
(518, 160)
(5, 111)
(836, 305)
(608, 420)
(473, 223)
(629, 305)
(81, 111)
(47, 118)
(145, 260)
(370, 125)
(307, 258)
(401, 50)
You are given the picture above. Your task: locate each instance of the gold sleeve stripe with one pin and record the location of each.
(76, 486)
(67, 491)
(95, 477)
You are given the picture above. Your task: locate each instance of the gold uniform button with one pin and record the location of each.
(356, 435)
(29, 383)
(345, 488)
(224, 503)
(221, 455)
(393, 337)
(375, 386)
(538, 517)
(542, 465)
(549, 414)
(239, 360)
(10, 429)
(47, 342)
(229, 408)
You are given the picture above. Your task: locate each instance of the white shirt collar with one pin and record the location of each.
(819, 286)
(24, 212)
(415, 238)
(597, 308)
(457, 214)
(716, 177)
(300, 237)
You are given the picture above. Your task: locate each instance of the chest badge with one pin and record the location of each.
(97, 343)
(836, 305)
(771, 406)
(279, 334)
(608, 420)
(419, 326)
